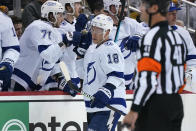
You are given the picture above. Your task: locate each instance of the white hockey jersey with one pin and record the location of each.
(39, 50)
(128, 27)
(9, 50)
(69, 57)
(191, 56)
(66, 26)
(101, 65)
(190, 60)
(145, 28)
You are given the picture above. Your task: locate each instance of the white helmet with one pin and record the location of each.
(103, 21)
(108, 3)
(51, 6)
(71, 2)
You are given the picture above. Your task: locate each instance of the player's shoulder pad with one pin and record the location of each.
(41, 24)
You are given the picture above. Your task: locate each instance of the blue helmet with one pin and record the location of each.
(173, 7)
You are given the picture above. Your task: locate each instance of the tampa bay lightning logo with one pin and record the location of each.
(126, 53)
(91, 73)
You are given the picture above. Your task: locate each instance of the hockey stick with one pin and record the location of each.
(65, 72)
(120, 19)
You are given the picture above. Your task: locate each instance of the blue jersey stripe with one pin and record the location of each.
(113, 101)
(17, 48)
(190, 57)
(128, 77)
(42, 48)
(25, 77)
(116, 74)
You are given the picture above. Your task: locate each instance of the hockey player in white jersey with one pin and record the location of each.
(191, 57)
(67, 30)
(127, 39)
(102, 68)
(41, 44)
(9, 50)
(72, 11)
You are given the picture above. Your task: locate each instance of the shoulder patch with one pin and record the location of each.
(108, 43)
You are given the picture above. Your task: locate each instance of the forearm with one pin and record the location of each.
(11, 56)
(52, 53)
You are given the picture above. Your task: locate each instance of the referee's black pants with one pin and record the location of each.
(161, 113)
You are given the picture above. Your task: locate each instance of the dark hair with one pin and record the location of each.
(16, 20)
(97, 5)
(162, 4)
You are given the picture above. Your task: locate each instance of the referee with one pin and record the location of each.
(157, 106)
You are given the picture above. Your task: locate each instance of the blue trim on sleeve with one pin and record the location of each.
(25, 77)
(42, 48)
(127, 55)
(17, 48)
(45, 69)
(58, 61)
(118, 101)
(190, 57)
(113, 101)
(116, 74)
(128, 77)
(76, 80)
(50, 80)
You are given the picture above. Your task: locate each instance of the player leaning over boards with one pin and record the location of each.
(40, 44)
(157, 106)
(67, 28)
(103, 67)
(9, 50)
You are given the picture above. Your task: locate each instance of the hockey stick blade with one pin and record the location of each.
(65, 72)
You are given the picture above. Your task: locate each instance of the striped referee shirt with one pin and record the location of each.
(161, 64)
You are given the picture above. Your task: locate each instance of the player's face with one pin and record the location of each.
(59, 19)
(68, 8)
(125, 11)
(97, 34)
(113, 9)
(143, 15)
(18, 28)
(78, 8)
(171, 17)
